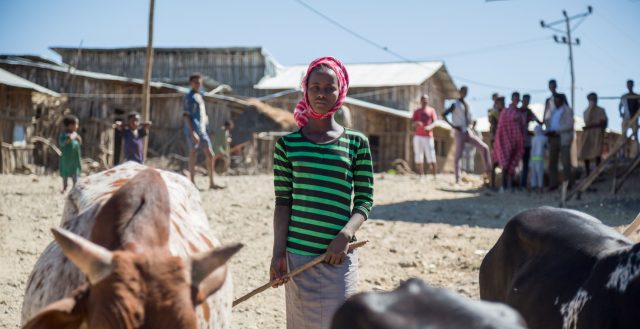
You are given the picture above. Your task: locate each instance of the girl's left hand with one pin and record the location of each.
(337, 250)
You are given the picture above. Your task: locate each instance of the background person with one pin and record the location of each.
(221, 144)
(595, 123)
(559, 132)
(195, 129)
(461, 121)
(133, 135)
(549, 103)
(538, 146)
(509, 144)
(70, 146)
(493, 114)
(527, 117)
(423, 144)
(629, 105)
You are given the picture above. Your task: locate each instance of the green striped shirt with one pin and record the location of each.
(324, 184)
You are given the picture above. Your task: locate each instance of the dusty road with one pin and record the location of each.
(430, 230)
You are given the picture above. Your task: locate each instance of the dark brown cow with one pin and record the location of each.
(133, 279)
(564, 269)
(416, 305)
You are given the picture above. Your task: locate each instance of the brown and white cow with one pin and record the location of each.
(134, 251)
(564, 269)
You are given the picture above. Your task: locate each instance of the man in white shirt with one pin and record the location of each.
(559, 123)
(461, 122)
(549, 104)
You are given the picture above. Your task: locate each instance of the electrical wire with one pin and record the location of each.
(395, 54)
(619, 29)
(611, 57)
(352, 32)
(498, 47)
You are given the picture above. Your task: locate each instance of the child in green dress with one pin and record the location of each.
(70, 143)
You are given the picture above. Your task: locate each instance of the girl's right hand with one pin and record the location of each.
(277, 270)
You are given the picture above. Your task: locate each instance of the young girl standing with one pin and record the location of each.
(323, 179)
(70, 143)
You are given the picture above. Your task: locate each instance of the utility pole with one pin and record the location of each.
(566, 39)
(146, 97)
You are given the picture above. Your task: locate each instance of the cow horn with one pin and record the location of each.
(93, 260)
(204, 263)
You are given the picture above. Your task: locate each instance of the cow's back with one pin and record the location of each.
(53, 276)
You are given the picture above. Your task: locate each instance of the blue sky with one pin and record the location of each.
(496, 43)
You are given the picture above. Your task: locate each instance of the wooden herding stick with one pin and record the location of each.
(293, 273)
(632, 227)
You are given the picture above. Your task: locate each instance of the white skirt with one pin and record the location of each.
(314, 296)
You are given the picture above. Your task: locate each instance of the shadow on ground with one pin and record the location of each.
(484, 208)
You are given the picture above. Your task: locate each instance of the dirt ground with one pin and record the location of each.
(432, 230)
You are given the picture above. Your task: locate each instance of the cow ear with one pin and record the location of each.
(209, 270)
(93, 260)
(62, 314)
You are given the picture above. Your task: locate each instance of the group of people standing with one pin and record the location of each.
(133, 132)
(511, 144)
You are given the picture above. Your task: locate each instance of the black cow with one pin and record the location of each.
(416, 305)
(564, 269)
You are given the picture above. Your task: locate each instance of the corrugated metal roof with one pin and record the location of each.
(32, 58)
(92, 75)
(376, 107)
(60, 50)
(361, 75)
(10, 79)
(348, 101)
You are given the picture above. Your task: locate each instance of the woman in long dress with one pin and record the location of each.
(595, 120)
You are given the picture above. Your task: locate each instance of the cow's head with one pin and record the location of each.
(133, 280)
(129, 289)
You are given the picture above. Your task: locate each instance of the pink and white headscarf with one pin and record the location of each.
(304, 110)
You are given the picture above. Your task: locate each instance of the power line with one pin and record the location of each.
(393, 53)
(567, 39)
(613, 58)
(498, 47)
(488, 85)
(352, 32)
(618, 28)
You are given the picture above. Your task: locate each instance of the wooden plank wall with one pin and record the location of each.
(98, 103)
(240, 68)
(15, 107)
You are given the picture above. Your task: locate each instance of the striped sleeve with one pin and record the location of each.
(282, 175)
(363, 180)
